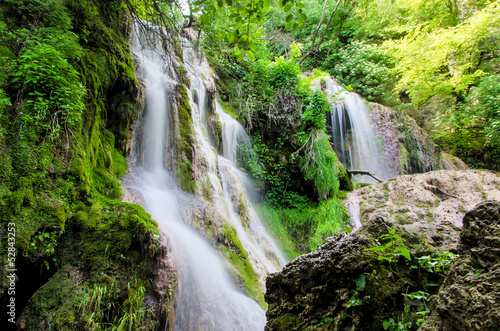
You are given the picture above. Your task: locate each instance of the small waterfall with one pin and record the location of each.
(233, 134)
(231, 187)
(354, 140)
(206, 298)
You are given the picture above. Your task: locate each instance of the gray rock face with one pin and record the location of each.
(469, 298)
(319, 291)
(433, 203)
(407, 147)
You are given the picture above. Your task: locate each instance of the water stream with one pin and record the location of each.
(207, 298)
(354, 140)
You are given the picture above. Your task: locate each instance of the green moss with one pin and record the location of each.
(288, 321)
(185, 142)
(226, 106)
(404, 158)
(177, 48)
(182, 73)
(63, 195)
(243, 271)
(54, 302)
(331, 218)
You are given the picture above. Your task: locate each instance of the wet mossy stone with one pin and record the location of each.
(54, 302)
(185, 141)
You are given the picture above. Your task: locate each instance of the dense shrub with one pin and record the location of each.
(472, 129)
(365, 68)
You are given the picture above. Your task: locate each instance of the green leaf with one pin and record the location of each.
(386, 324)
(220, 3)
(381, 248)
(287, 8)
(405, 252)
(360, 282)
(302, 19)
(289, 18)
(300, 5)
(250, 54)
(239, 55)
(229, 2)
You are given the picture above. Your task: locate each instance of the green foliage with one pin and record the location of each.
(305, 227)
(322, 166)
(281, 41)
(316, 105)
(330, 218)
(360, 286)
(283, 74)
(54, 93)
(385, 19)
(393, 248)
(323, 321)
(484, 104)
(471, 130)
(365, 68)
(238, 23)
(57, 190)
(43, 245)
(50, 13)
(103, 309)
(437, 263)
(450, 63)
(415, 303)
(415, 308)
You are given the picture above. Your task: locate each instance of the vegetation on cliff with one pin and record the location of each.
(69, 99)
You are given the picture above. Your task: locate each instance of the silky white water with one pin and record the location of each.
(354, 140)
(225, 180)
(207, 298)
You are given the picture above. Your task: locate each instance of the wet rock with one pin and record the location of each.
(470, 296)
(165, 286)
(433, 203)
(407, 147)
(315, 285)
(321, 291)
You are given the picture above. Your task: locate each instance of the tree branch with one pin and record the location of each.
(315, 33)
(313, 46)
(328, 24)
(363, 172)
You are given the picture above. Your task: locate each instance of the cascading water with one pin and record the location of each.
(223, 177)
(354, 140)
(206, 299)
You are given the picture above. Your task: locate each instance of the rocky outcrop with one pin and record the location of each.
(345, 285)
(407, 147)
(470, 296)
(433, 203)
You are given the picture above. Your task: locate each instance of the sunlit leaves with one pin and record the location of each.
(238, 23)
(443, 61)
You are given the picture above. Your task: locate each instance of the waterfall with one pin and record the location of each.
(353, 137)
(207, 298)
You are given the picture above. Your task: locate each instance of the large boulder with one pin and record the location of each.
(433, 203)
(469, 298)
(345, 285)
